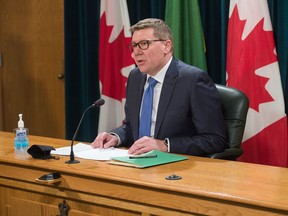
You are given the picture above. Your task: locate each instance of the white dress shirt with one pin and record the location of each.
(157, 91)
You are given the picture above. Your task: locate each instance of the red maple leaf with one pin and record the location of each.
(113, 57)
(244, 57)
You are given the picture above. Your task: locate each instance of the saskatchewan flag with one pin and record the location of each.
(183, 17)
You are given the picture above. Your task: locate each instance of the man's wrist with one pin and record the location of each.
(118, 138)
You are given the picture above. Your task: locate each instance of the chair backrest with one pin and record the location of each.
(235, 105)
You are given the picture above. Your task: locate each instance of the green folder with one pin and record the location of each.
(152, 158)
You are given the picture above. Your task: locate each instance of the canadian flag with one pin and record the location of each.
(115, 61)
(252, 66)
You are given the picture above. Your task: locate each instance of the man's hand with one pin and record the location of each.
(146, 144)
(104, 140)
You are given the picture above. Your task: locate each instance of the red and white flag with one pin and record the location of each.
(115, 61)
(252, 66)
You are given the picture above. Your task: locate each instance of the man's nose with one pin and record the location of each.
(137, 50)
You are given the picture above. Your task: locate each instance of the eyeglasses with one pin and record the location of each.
(143, 45)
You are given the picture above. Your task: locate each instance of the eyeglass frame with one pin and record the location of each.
(132, 46)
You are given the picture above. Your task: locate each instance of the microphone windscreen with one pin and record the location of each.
(99, 102)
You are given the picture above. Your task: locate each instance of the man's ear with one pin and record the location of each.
(168, 46)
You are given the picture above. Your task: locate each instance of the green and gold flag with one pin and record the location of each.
(183, 17)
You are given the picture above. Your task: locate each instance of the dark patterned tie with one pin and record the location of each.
(146, 112)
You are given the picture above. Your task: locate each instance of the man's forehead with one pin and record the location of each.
(143, 33)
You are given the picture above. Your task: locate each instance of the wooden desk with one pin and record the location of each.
(208, 186)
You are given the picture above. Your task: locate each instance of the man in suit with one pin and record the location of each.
(186, 116)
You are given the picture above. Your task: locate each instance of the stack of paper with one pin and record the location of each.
(86, 151)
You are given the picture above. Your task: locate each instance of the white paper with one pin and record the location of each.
(102, 154)
(86, 151)
(76, 148)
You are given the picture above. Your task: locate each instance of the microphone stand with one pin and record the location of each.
(72, 160)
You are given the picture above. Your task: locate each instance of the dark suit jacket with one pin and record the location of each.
(189, 111)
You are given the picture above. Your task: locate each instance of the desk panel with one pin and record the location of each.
(208, 186)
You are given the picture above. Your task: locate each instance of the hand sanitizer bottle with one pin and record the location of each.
(21, 142)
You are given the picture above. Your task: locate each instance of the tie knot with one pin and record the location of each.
(152, 82)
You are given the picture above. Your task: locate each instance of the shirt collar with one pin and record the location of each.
(161, 74)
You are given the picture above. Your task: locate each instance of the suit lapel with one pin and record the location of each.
(166, 93)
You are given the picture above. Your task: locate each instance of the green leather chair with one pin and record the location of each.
(235, 106)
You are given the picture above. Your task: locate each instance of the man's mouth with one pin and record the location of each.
(140, 61)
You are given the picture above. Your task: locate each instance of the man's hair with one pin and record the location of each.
(161, 29)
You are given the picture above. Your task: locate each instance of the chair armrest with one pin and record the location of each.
(227, 154)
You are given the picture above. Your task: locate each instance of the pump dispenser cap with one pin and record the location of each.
(20, 122)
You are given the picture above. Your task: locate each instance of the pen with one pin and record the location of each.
(143, 156)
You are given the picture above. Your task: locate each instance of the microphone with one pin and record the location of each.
(97, 103)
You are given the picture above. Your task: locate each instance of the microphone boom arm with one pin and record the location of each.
(72, 160)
